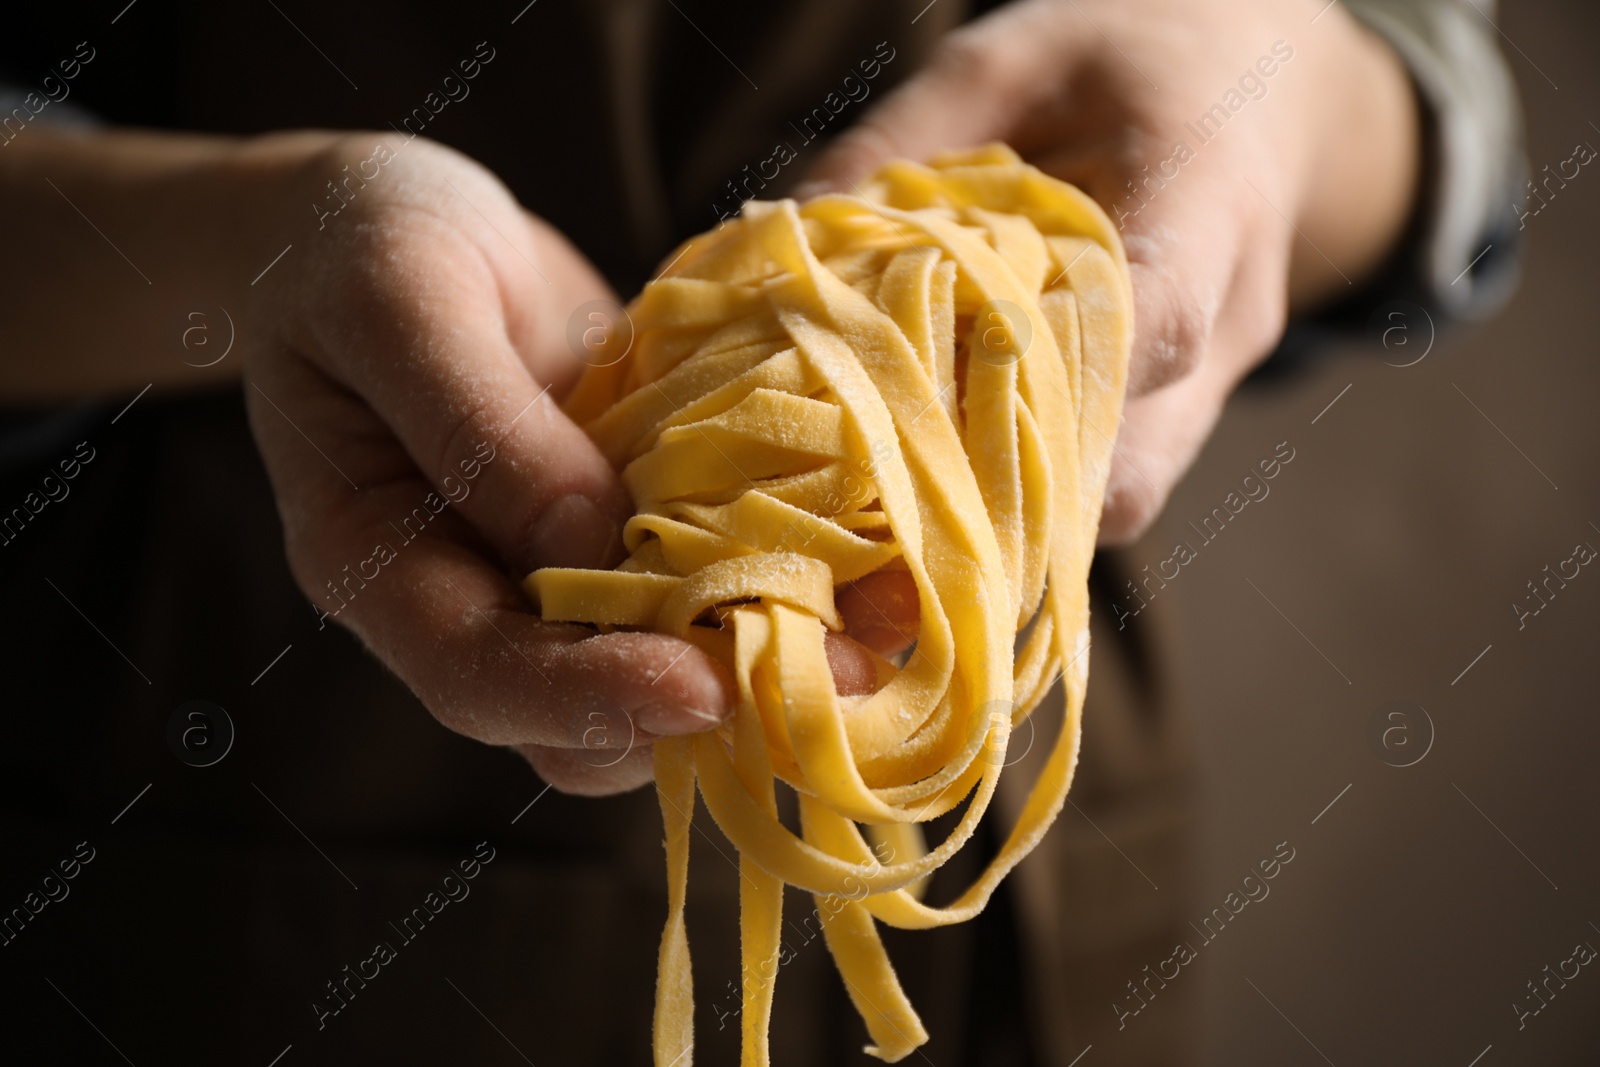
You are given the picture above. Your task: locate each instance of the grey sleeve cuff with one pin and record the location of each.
(1466, 256)
(20, 107)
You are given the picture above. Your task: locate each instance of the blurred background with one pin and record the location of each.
(1344, 659)
(1417, 509)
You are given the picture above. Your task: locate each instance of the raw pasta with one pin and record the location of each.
(925, 377)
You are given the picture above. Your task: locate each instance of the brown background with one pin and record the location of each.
(1396, 541)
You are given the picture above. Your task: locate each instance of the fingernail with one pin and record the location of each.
(573, 532)
(668, 720)
(884, 640)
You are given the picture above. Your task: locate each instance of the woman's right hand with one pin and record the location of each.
(402, 374)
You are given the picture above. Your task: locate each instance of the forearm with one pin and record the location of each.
(113, 237)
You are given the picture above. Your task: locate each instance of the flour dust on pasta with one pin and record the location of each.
(924, 378)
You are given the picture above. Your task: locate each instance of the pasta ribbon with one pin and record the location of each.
(926, 377)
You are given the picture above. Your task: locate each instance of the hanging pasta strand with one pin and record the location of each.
(924, 378)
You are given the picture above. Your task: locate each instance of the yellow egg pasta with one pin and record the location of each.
(924, 377)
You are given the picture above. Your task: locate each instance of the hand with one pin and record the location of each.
(1317, 130)
(402, 375)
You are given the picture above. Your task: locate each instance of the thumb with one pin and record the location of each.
(977, 87)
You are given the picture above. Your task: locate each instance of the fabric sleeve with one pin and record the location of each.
(1459, 258)
(1465, 252)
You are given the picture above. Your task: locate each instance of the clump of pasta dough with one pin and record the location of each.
(925, 377)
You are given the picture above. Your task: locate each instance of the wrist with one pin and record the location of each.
(142, 229)
(249, 203)
(1364, 168)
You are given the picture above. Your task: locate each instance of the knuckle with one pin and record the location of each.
(1174, 349)
(552, 765)
(1268, 315)
(378, 151)
(568, 771)
(472, 700)
(1188, 334)
(301, 566)
(969, 58)
(1180, 326)
(464, 435)
(1131, 508)
(361, 183)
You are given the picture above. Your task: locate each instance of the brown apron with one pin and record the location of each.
(307, 895)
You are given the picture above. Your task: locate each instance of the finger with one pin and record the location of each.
(423, 338)
(1160, 436)
(450, 623)
(1181, 235)
(856, 668)
(1163, 431)
(881, 611)
(540, 305)
(591, 774)
(978, 87)
(608, 764)
(1182, 244)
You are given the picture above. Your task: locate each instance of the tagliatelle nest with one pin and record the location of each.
(926, 377)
